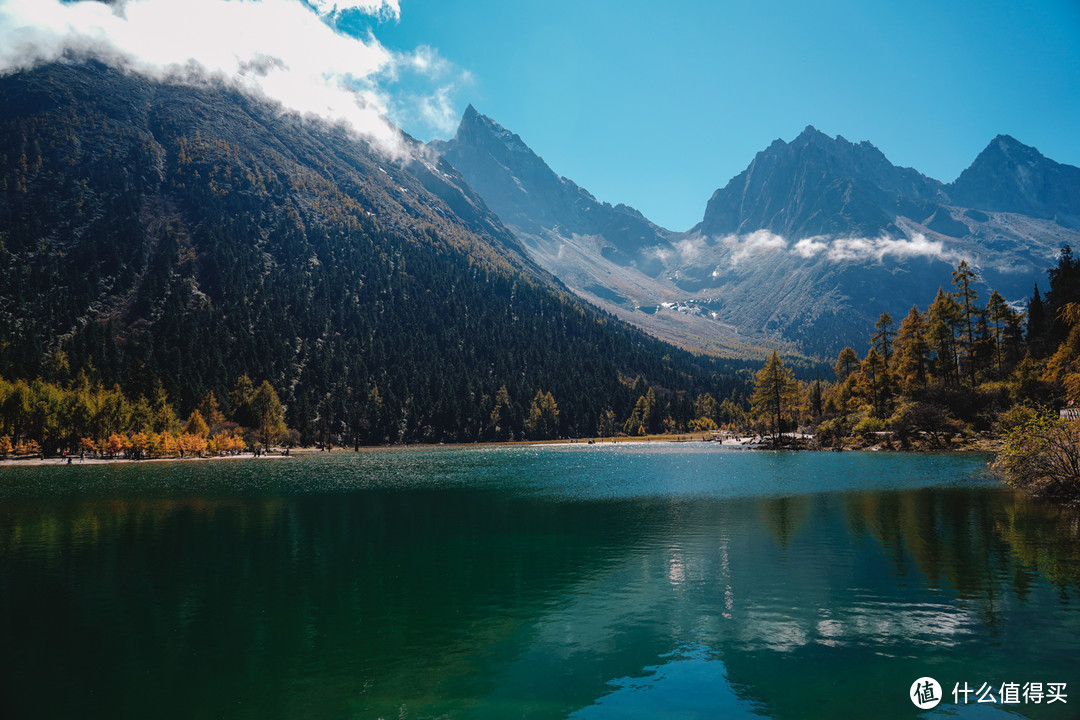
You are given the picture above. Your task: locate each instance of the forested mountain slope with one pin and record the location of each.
(152, 232)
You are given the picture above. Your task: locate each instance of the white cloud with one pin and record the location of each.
(837, 249)
(878, 248)
(380, 8)
(438, 110)
(432, 109)
(756, 243)
(278, 49)
(811, 246)
(662, 253)
(691, 248)
(426, 60)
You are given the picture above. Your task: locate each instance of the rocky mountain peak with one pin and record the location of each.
(811, 134)
(479, 130)
(1009, 176)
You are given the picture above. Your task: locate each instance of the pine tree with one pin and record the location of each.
(882, 338)
(500, 422)
(1064, 365)
(240, 399)
(963, 277)
(846, 363)
(911, 351)
(816, 407)
(211, 411)
(1000, 315)
(944, 317)
(164, 416)
(269, 414)
(635, 423)
(775, 393)
(1064, 289)
(1037, 326)
(872, 382)
(606, 425)
(543, 420)
(653, 414)
(196, 425)
(706, 407)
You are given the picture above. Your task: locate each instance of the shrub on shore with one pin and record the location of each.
(1042, 457)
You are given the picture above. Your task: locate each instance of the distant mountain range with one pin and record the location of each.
(808, 245)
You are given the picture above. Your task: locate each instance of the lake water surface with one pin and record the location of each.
(587, 582)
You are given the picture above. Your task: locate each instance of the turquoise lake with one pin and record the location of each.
(573, 581)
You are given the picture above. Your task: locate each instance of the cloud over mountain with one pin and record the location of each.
(283, 50)
(383, 8)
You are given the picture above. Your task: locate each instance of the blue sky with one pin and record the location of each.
(654, 105)
(657, 105)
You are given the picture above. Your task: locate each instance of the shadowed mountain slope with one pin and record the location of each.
(183, 235)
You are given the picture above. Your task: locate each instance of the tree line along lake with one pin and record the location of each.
(627, 580)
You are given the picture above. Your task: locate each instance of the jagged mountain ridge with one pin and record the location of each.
(816, 185)
(531, 198)
(810, 243)
(155, 232)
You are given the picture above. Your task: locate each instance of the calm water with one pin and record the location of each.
(674, 581)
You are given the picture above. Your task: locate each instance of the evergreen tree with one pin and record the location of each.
(982, 352)
(542, 422)
(165, 419)
(269, 414)
(373, 410)
(1000, 316)
(872, 382)
(846, 363)
(816, 408)
(141, 417)
(635, 423)
(606, 425)
(963, 278)
(911, 352)
(1037, 326)
(944, 317)
(1063, 367)
(776, 392)
(211, 411)
(500, 420)
(882, 338)
(1064, 289)
(706, 407)
(241, 398)
(653, 414)
(196, 425)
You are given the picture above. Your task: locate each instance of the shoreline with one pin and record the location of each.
(746, 442)
(61, 461)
